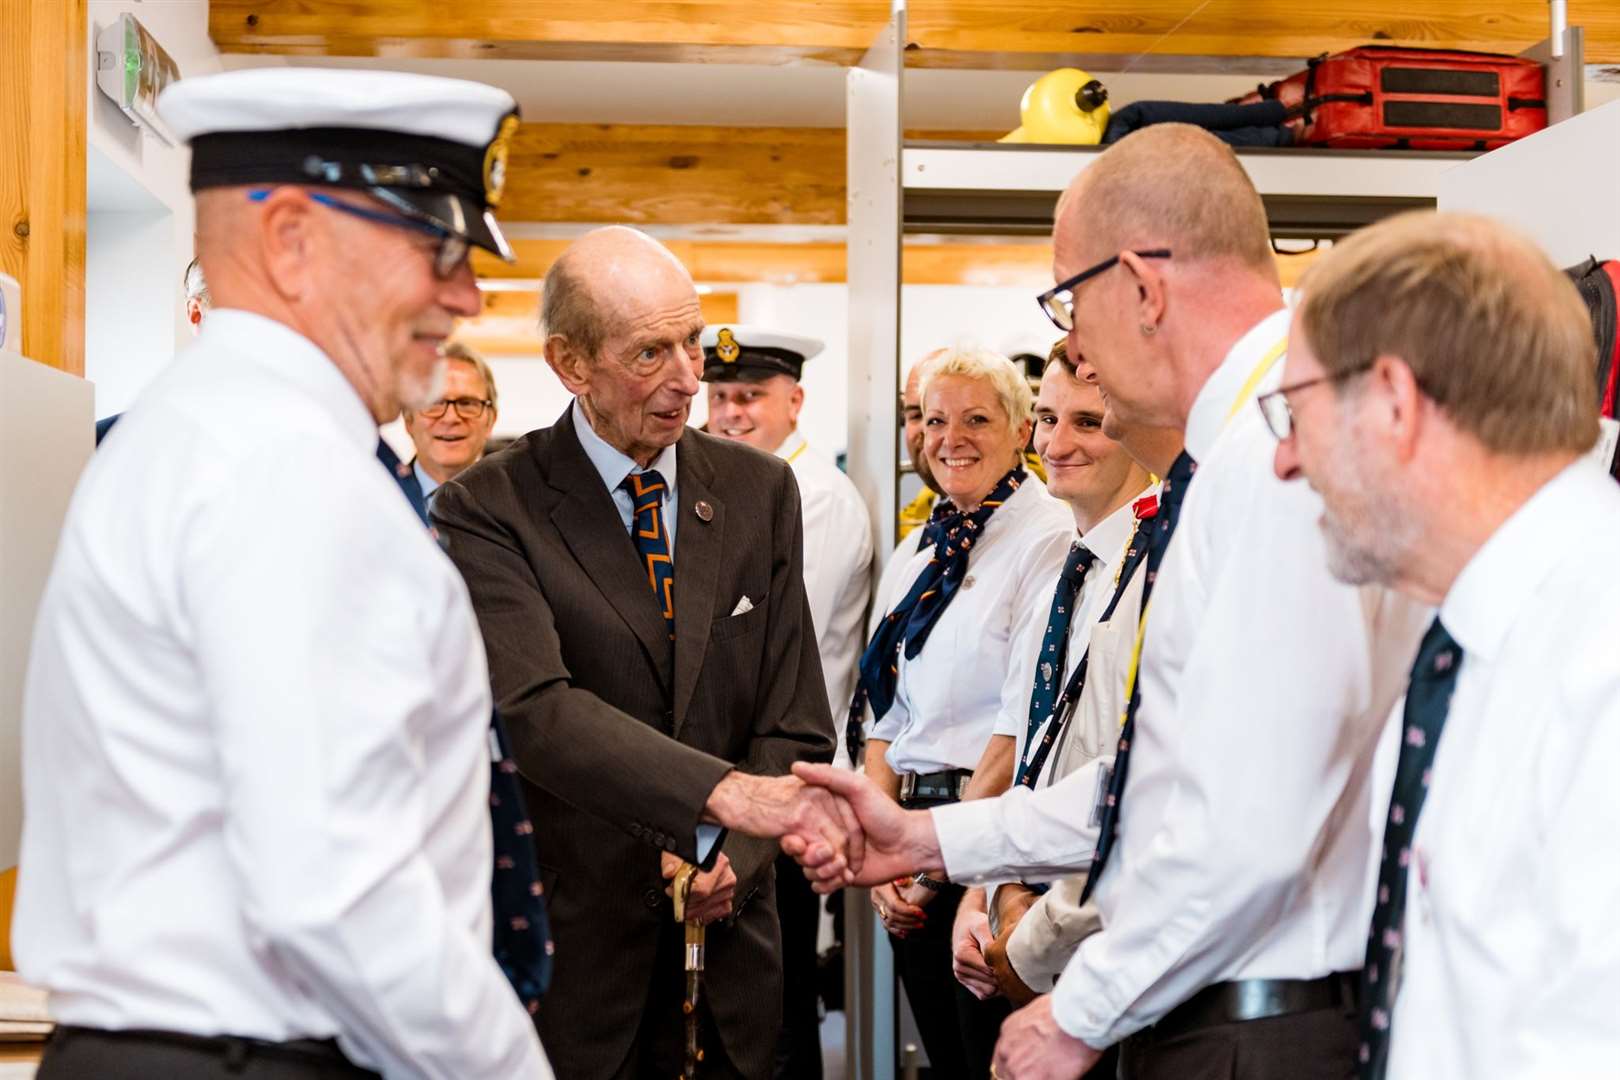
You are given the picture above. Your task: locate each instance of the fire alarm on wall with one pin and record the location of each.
(132, 69)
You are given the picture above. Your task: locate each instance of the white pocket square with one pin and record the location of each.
(744, 606)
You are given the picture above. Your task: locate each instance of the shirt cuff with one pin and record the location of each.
(707, 835)
(971, 837)
(1075, 1004)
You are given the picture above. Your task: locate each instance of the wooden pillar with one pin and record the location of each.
(44, 50)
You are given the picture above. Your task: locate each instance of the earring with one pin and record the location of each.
(1148, 329)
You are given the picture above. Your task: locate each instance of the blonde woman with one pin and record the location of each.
(953, 600)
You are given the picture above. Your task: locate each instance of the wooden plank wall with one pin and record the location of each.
(43, 53)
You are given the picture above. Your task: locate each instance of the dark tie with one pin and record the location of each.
(1164, 526)
(523, 945)
(1428, 697)
(1053, 658)
(647, 491)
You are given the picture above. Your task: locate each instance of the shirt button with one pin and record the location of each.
(651, 898)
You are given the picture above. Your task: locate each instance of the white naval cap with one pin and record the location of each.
(433, 148)
(733, 352)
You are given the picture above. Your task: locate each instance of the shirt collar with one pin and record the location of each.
(612, 464)
(292, 356)
(790, 446)
(1508, 569)
(427, 483)
(1106, 539)
(1214, 401)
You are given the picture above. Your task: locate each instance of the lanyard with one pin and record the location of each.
(1245, 394)
(791, 458)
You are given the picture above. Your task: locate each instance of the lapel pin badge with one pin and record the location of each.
(705, 512)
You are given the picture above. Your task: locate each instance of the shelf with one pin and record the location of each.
(995, 188)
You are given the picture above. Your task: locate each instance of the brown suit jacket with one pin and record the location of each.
(619, 742)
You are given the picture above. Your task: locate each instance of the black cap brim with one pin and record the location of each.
(454, 214)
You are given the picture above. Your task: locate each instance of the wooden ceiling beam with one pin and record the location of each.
(954, 34)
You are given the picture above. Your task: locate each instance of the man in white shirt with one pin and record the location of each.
(1233, 904)
(754, 397)
(257, 828)
(450, 434)
(1439, 396)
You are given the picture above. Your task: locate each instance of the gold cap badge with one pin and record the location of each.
(726, 347)
(495, 160)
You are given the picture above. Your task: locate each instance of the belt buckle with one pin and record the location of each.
(908, 785)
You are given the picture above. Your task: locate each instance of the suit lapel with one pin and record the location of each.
(590, 525)
(699, 546)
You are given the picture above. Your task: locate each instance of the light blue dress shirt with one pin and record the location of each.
(613, 466)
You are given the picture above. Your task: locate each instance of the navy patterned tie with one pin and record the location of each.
(522, 944)
(1054, 655)
(652, 540)
(1164, 526)
(1428, 698)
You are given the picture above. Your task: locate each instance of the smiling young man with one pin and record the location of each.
(450, 433)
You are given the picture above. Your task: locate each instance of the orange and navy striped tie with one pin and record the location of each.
(652, 541)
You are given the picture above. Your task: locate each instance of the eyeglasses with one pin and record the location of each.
(1280, 415)
(1058, 301)
(447, 259)
(468, 408)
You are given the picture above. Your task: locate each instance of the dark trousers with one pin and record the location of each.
(1317, 1045)
(84, 1053)
(659, 1050)
(798, 1048)
(958, 1030)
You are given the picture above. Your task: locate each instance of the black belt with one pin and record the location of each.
(235, 1050)
(935, 788)
(1254, 999)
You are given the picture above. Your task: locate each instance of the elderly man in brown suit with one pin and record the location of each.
(639, 589)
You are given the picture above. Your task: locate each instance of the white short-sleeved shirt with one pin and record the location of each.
(948, 696)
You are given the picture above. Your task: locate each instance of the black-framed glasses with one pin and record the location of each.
(447, 258)
(1058, 301)
(468, 408)
(1280, 415)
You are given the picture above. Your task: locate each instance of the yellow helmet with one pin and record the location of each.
(1066, 106)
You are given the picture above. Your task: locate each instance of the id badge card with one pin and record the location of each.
(1099, 799)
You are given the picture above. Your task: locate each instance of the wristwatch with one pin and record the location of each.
(928, 883)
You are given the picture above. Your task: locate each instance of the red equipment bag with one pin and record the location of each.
(1379, 97)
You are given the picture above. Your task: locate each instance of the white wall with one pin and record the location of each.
(139, 229)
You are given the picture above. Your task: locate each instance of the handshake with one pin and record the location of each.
(838, 825)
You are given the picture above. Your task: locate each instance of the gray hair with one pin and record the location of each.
(971, 362)
(196, 287)
(455, 350)
(567, 310)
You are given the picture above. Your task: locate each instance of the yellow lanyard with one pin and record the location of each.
(1244, 396)
(791, 458)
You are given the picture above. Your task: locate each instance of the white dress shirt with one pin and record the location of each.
(1511, 959)
(948, 696)
(256, 735)
(1036, 835)
(1244, 849)
(837, 566)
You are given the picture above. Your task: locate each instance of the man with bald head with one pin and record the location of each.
(640, 591)
(1230, 873)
